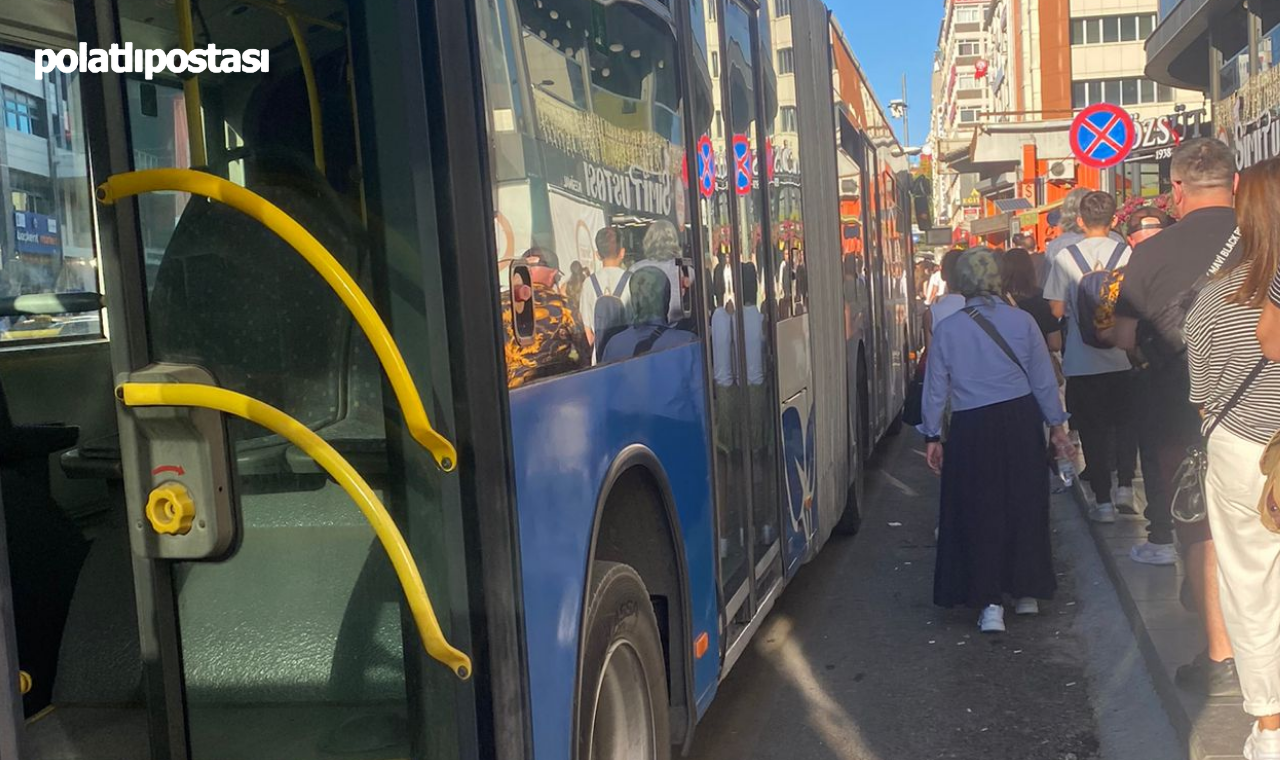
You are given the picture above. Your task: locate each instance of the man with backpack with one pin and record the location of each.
(605, 294)
(1160, 285)
(1098, 383)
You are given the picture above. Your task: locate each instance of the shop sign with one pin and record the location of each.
(1249, 120)
(973, 199)
(1159, 136)
(37, 233)
(1029, 218)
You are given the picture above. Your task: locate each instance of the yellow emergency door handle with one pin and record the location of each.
(253, 205)
(240, 405)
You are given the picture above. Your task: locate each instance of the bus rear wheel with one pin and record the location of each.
(623, 705)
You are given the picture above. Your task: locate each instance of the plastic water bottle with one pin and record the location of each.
(1066, 472)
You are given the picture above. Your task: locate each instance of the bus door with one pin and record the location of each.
(741, 342)
(873, 209)
(246, 529)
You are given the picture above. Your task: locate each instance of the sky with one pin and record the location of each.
(891, 38)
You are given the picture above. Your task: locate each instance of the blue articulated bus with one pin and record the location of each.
(467, 380)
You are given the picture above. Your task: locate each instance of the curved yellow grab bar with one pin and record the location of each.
(253, 205)
(240, 405)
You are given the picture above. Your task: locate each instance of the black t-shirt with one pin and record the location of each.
(1039, 308)
(1163, 267)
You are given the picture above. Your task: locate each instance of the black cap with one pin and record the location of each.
(1147, 218)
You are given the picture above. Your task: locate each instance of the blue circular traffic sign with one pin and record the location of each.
(1102, 135)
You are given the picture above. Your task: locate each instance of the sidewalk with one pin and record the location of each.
(1168, 636)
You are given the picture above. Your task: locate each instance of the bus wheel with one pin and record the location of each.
(851, 519)
(623, 704)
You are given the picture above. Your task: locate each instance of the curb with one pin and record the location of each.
(1164, 685)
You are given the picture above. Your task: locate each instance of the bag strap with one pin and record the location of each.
(595, 283)
(995, 335)
(1114, 261)
(1079, 259)
(1237, 396)
(645, 345)
(1222, 256)
(622, 284)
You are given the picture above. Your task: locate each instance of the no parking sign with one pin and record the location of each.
(1102, 135)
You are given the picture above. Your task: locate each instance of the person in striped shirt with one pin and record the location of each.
(1269, 323)
(1238, 392)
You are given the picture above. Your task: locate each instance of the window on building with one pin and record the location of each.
(1104, 29)
(968, 115)
(711, 10)
(1111, 29)
(782, 7)
(787, 115)
(968, 15)
(715, 64)
(1121, 92)
(969, 47)
(24, 112)
(719, 125)
(966, 82)
(1146, 25)
(786, 61)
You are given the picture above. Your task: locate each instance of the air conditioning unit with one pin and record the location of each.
(1063, 169)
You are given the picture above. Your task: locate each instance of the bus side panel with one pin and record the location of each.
(565, 434)
(811, 36)
(798, 438)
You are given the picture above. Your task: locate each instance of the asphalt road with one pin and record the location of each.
(856, 663)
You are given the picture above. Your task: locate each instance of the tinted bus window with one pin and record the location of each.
(586, 123)
(47, 243)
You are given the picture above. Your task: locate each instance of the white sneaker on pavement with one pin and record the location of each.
(1262, 745)
(1027, 605)
(1154, 554)
(992, 619)
(1103, 513)
(1124, 500)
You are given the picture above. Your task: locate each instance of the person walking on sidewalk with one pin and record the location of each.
(990, 362)
(1239, 392)
(1161, 272)
(1098, 381)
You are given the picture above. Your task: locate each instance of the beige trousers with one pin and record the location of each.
(1248, 567)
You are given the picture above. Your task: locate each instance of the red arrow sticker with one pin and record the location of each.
(174, 468)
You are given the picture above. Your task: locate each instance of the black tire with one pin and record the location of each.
(895, 426)
(622, 713)
(850, 521)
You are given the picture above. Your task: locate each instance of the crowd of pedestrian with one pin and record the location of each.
(1167, 333)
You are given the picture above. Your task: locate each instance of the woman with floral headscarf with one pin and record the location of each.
(991, 363)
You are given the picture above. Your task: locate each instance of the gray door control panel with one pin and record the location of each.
(177, 470)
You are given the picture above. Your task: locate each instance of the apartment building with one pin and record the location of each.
(1041, 62)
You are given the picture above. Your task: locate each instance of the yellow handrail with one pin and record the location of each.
(313, 90)
(191, 88)
(240, 405)
(199, 183)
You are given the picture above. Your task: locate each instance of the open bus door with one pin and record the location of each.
(248, 541)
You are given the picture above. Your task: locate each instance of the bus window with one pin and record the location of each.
(588, 153)
(47, 242)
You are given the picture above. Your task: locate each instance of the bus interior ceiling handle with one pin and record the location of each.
(389, 535)
(50, 303)
(129, 184)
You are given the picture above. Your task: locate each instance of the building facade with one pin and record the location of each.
(1230, 52)
(1043, 62)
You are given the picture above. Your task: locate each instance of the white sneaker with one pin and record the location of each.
(1103, 513)
(1262, 745)
(1124, 500)
(1027, 605)
(992, 619)
(1154, 554)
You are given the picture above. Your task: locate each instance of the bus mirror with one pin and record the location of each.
(685, 269)
(521, 302)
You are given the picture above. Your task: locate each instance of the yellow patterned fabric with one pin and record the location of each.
(559, 342)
